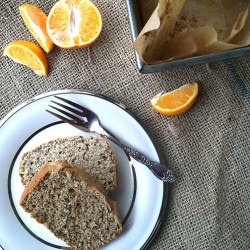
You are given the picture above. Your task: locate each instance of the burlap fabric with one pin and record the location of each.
(208, 148)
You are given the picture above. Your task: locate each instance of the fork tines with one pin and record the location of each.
(76, 105)
(75, 113)
(60, 117)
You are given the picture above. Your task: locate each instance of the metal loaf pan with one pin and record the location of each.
(135, 20)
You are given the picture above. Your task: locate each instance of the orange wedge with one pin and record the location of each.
(35, 19)
(74, 23)
(28, 54)
(176, 102)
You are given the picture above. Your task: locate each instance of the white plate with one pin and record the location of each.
(140, 196)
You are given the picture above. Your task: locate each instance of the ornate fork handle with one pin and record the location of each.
(157, 169)
(91, 124)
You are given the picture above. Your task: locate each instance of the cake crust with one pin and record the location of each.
(101, 213)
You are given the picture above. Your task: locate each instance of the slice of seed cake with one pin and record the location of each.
(94, 153)
(71, 204)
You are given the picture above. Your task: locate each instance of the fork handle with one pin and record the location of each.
(159, 170)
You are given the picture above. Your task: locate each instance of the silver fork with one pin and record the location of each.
(87, 121)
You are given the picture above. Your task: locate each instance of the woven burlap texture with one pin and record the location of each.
(207, 148)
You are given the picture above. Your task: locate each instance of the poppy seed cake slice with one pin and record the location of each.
(72, 205)
(94, 153)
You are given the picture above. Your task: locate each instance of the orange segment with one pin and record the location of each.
(74, 23)
(28, 54)
(176, 102)
(35, 19)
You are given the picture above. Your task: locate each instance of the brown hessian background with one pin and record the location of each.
(208, 148)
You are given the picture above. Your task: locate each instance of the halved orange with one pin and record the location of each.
(176, 102)
(28, 54)
(35, 19)
(74, 23)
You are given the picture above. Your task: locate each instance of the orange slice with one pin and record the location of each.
(74, 23)
(28, 54)
(35, 19)
(176, 102)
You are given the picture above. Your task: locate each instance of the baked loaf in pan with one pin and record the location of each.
(73, 205)
(93, 153)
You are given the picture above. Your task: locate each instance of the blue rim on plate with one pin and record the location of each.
(124, 108)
